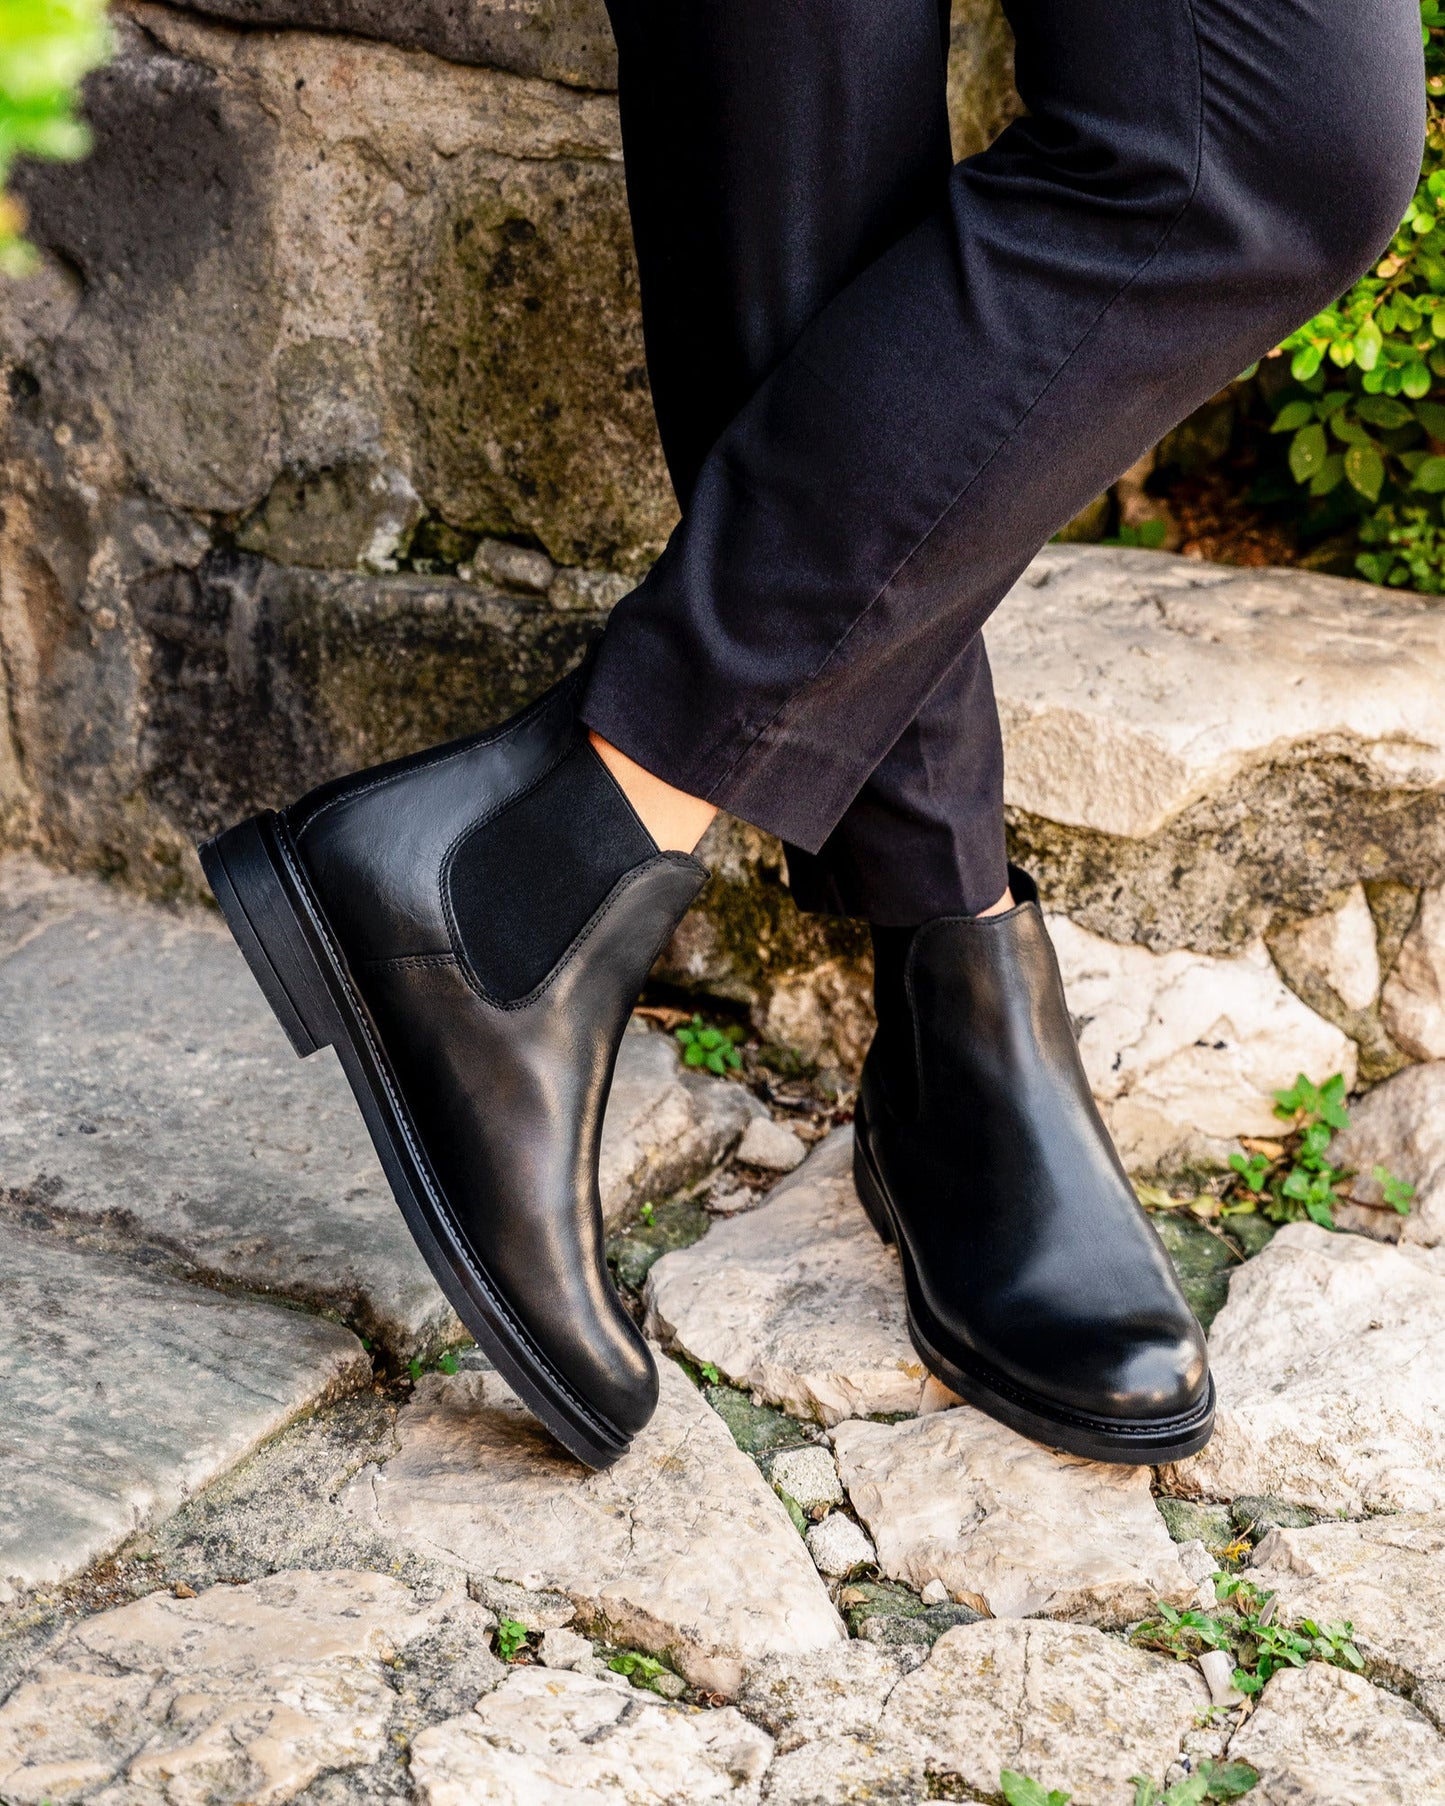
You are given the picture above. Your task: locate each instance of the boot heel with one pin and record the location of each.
(246, 874)
(867, 1184)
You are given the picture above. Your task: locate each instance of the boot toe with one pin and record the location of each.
(1157, 1377)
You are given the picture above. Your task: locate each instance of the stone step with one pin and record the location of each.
(122, 1392)
(146, 1089)
(681, 1549)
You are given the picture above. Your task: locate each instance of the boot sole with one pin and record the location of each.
(1122, 1441)
(281, 929)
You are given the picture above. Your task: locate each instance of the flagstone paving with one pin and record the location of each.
(145, 1086)
(244, 1558)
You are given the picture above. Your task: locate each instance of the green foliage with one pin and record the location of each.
(1210, 1781)
(710, 1374)
(1149, 534)
(1248, 1631)
(46, 47)
(511, 1639)
(1018, 1790)
(1301, 1182)
(1365, 404)
(713, 1048)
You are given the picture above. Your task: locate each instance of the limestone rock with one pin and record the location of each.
(145, 1086)
(665, 1126)
(832, 1692)
(560, 40)
(981, 94)
(123, 1391)
(244, 1694)
(1062, 1703)
(839, 1547)
(560, 1737)
(1170, 777)
(1400, 1125)
(1310, 1357)
(771, 1145)
(805, 979)
(1183, 1050)
(1386, 1577)
(798, 1301)
(1008, 1527)
(681, 1548)
(563, 1648)
(848, 1771)
(1322, 1737)
(808, 1476)
(1336, 949)
(320, 272)
(1414, 1000)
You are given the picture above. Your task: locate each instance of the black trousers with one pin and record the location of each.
(883, 381)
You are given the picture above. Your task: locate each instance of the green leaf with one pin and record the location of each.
(1397, 1192)
(447, 1363)
(1292, 416)
(1430, 475)
(1367, 345)
(710, 1373)
(1381, 411)
(1415, 381)
(1431, 415)
(1365, 471)
(511, 1639)
(1018, 1790)
(1306, 361)
(1329, 476)
(1307, 452)
(1188, 1792)
(1230, 1780)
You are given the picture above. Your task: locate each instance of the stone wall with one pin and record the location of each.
(340, 313)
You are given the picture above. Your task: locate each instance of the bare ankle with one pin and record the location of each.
(1006, 901)
(675, 820)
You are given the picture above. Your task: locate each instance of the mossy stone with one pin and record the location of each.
(1201, 1260)
(1188, 1521)
(756, 1429)
(1256, 1514)
(1252, 1232)
(885, 1612)
(633, 1251)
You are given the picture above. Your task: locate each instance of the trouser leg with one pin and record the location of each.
(772, 153)
(1166, 212)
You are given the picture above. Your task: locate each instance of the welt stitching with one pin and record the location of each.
(1003, 445)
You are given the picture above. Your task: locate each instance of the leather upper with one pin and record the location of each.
(1029, 1248)
(506, 1099)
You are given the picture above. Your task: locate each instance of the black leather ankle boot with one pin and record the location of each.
(469, 929)
(1037, 1288)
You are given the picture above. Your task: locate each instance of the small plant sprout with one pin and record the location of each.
(710, 1374)
(447, 1363)
(1298, 1180)
(1248, 1630)
(648, 1214)
(1210, 1781)
(715, 1049)
(511, 1639)
(1019, 1790)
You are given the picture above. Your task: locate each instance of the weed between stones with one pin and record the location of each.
(1247, 1630)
